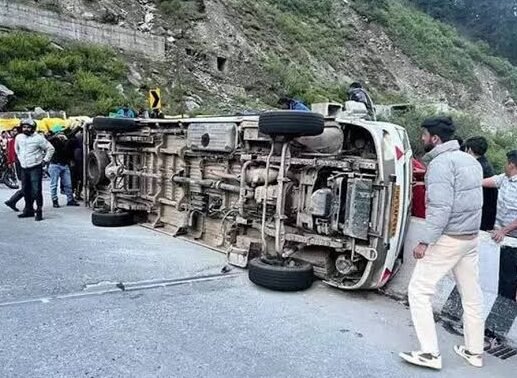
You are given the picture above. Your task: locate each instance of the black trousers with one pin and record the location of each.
(32, 184)
(77, 177)
(508, 273)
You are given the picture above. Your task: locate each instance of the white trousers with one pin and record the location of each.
(461, 256)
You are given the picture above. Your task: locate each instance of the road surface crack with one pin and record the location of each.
(107, 287)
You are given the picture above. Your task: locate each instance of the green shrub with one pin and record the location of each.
(467, 126)
(319, 9)
(296, 81)
(22, 46)
(79, 79)
(29, 69)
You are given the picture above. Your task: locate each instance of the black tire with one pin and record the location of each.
(121, 219)
(116, 125)
(277, 277)
(97, 162)
(9, 179)
(291, 123)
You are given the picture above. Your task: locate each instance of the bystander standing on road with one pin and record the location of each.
(453, 216)
(477, 147)
(33, 151)
(59, 168)
(506, 224)
(418, 202)
(13, 159)
(4, 137)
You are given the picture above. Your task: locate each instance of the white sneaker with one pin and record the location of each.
(427, 360)
(473, 359)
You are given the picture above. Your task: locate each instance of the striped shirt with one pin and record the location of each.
(506, 202)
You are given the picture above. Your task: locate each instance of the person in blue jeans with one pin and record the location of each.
(33, 152)
(59, 167)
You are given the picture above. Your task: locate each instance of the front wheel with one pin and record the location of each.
(105, 219)
(280, 275)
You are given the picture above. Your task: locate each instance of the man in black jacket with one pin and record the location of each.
(59, 168)
(477, 147)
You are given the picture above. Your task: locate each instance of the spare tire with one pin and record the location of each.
(97, 162)
(116, 125)
(275, 275)
(291, 123)
(122, 219)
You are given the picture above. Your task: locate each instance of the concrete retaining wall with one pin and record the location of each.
(15, 15)
(500, 313)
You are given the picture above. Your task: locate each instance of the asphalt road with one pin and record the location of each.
(63, 312)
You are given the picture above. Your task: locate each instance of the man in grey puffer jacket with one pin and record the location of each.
(454, 206)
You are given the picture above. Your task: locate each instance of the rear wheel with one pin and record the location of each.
(105, 219)
(291, 123)
(279, 275)
(97, 163)
(116, 125)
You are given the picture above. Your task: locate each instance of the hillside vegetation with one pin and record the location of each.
(492, 21)
(436, 46)
(78, 78)
(308, 49)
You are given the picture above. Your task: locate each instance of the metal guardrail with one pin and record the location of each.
(33, 115)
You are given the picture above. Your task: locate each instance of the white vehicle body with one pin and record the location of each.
(342, 205)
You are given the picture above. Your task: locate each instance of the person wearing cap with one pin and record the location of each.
(450, 243)
(33, 151)
(59, 168)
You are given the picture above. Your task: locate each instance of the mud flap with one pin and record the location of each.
(246, 249)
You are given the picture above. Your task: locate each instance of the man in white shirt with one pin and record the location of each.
(506, 224)
(33, 151)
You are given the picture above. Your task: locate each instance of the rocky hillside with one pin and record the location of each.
(228, 54)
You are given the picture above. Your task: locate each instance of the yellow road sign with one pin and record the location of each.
(155, 100)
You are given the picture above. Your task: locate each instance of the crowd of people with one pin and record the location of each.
(356, 92)
(126, 111)
(499, 210)
(58, 154)
(463, 196)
